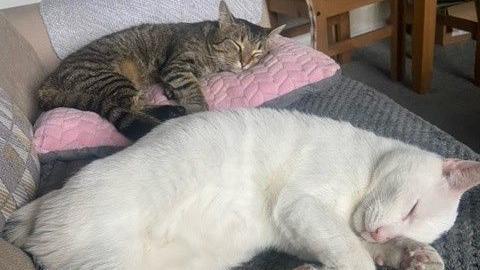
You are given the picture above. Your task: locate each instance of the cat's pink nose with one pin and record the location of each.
(378, 235)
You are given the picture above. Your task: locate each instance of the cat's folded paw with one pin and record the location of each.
(421, 258)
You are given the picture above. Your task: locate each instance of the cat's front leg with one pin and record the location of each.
(182, 85)
(190, 97)
(405, 254)
(310, 229)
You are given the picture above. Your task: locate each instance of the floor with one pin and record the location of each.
(453, 104)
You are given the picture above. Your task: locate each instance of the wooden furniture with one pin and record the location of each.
(339, 25)
(423, 19)
(445, 35)
(330, 31)
(330, 26)
(465, 17)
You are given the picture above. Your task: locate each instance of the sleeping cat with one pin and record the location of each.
(110, 75)
(210, 190)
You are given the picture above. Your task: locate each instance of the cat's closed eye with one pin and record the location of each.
(222, 46)
(257, 53)
(233, 43)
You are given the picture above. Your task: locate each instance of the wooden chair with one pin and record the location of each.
(464, 16)
(330, 27)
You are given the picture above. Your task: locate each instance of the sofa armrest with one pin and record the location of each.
(29, 24)
(12, 258)
(27, 55)
(21, 71)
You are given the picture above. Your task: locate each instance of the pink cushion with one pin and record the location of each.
(288, 67)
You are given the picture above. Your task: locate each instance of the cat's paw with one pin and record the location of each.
(421, 258)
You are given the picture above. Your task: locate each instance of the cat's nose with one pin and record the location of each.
(246, 65)
(378, 235)
(246, 61)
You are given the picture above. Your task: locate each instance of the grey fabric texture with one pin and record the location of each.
(19, 166)
(344, 99)
(71, 24)
(57, 167)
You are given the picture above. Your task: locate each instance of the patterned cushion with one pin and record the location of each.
(19, 166)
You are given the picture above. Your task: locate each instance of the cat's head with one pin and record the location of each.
(238, 44)
(414, 196)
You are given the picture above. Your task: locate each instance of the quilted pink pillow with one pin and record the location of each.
(288, 66)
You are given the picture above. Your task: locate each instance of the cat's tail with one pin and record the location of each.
(21, 224)
(135, 124)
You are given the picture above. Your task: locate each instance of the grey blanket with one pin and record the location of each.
(344, 99)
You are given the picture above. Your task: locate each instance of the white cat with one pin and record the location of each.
(209, 191)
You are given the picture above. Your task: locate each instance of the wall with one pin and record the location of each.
(14, 3)
(368, 18)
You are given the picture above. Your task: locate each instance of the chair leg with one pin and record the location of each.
(397, 40)
(273, 19)
(319, 24)
(343, 33)
(423, 44)
(477, 64)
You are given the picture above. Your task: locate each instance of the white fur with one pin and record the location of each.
(210, 190)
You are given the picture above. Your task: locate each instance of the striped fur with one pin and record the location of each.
(109, 75)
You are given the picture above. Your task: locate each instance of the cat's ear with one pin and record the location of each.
(461, 175)
(225, 17)
(276, 31)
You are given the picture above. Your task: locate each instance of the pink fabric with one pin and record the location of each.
(68, 129)
(288, 66)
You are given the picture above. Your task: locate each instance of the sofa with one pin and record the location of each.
(27, 56)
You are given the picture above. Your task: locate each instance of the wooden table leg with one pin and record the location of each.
(397, 40)
(319, 24)
(343, 33)
(476, 79)
(423, 42)
(273, 16)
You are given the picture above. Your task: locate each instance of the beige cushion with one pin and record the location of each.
(29, 23)
(21, 72)
(12, 258)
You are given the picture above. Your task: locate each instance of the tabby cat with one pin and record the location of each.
(110, 75)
